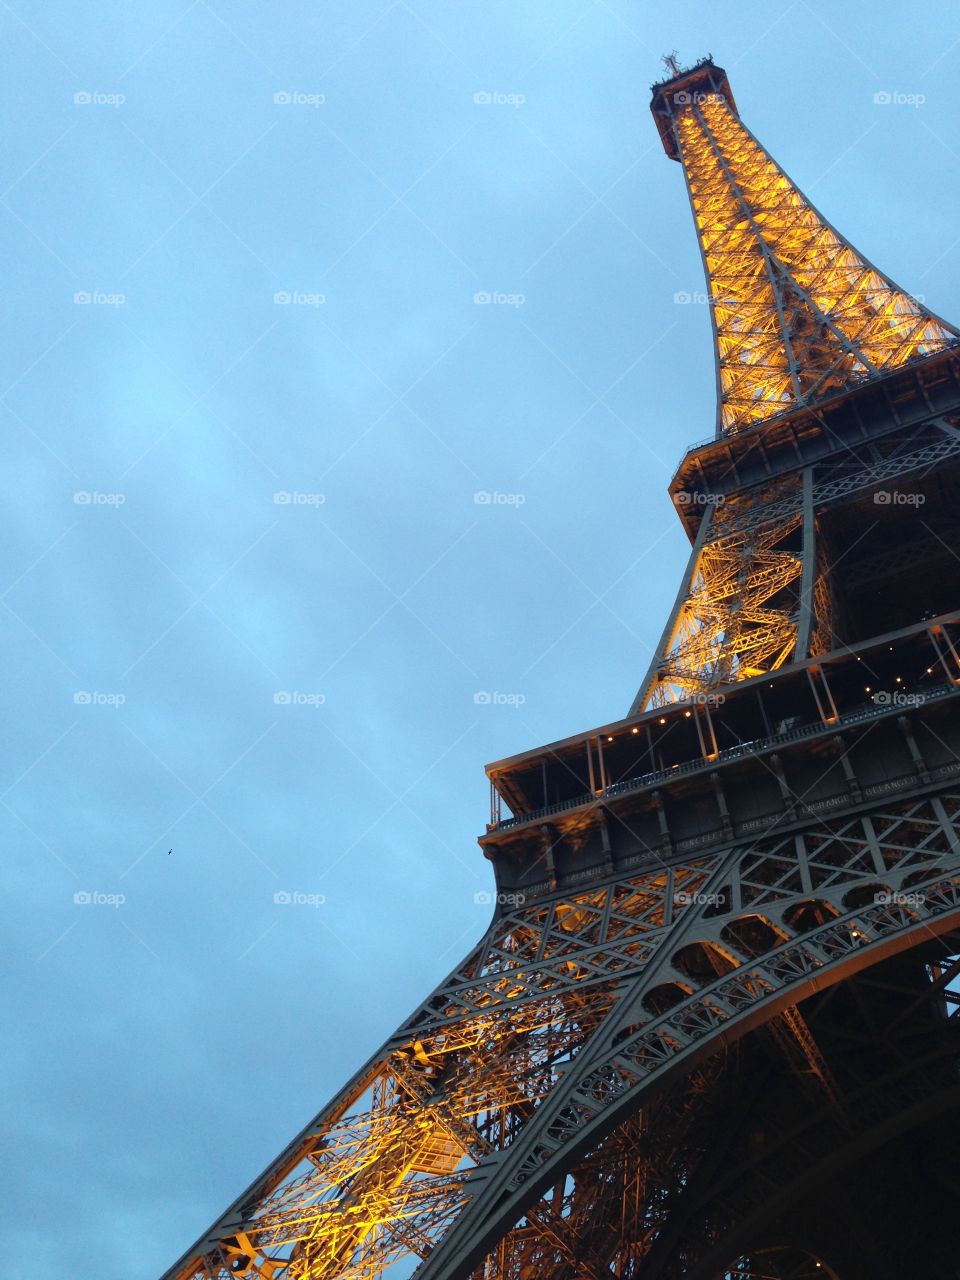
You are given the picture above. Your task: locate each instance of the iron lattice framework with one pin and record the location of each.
(739, 614)
(799, 316)
(715, 1012)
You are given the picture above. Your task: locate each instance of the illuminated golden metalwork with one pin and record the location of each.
(798, 313)
(628, 973)
(799, 316)
(739, 615)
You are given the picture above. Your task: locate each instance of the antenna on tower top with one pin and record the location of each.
(669, 60)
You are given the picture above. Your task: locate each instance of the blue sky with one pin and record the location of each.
(283, 692)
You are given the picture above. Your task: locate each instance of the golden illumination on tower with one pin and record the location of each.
(383, 1177)
(799, 317)
(739, 618)
(798, 313)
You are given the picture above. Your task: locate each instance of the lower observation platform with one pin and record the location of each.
(761, 755)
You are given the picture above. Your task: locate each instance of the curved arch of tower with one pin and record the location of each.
(712, 1033)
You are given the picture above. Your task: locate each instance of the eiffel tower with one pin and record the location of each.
(712, 1029)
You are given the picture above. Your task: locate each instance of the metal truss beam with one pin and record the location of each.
(797, 311)
(497, 1089)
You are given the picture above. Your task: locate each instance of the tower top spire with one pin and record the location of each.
(799, 316)
(669, 60)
